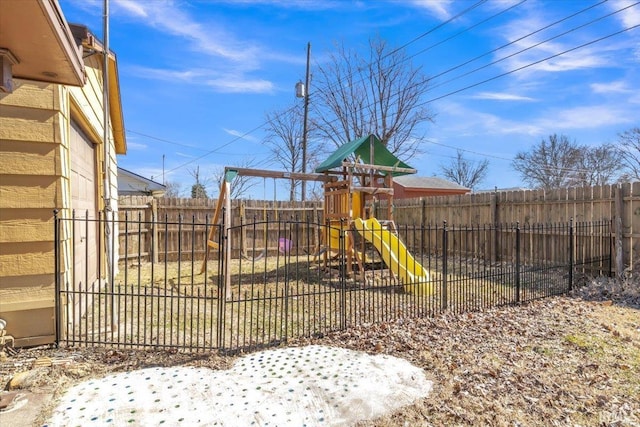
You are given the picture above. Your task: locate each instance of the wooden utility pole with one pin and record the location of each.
(304, 124)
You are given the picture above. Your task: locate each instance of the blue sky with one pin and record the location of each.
(197, 77)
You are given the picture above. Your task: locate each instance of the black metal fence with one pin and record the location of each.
(275, 280)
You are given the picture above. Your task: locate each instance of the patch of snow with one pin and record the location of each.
(297, 386)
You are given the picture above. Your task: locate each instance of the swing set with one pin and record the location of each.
(270, 214)
(224, 205)
(354, 177)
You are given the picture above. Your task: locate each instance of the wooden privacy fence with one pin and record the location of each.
(617, 203)
(182, 223)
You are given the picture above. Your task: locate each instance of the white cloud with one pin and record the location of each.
(168, 75)
(152, 173)
(288, 4)
(132, 7)
(630, 16)
(135, 145)
(464, 121)
(222, 82)
(239, 134)
(610, 87)
(209, 38)
(589, 117)
(439, 8)
(188, 156)
(235, 85)
(501, 96)
(529, 49)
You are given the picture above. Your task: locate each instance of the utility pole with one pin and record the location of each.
(304, 125)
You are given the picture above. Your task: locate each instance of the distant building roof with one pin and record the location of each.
(428, 182)
(130, 183)
(492, 190)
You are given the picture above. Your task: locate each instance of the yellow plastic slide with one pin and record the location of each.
(395, 254)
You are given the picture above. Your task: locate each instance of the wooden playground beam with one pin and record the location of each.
(264, 173)
(378, 167)
(373, 190)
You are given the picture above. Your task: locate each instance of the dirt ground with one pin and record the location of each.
(571, 360)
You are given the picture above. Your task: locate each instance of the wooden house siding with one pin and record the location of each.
(35, 179)
(31, 131)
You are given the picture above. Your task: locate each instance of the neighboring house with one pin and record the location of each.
(497, 190)
(52, 153)
(131, 184)
(410, 186)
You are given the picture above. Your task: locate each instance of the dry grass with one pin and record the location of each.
(561, 361)
(270, 300)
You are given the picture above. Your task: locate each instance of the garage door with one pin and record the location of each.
(84, 202)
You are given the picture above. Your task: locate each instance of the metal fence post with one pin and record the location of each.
(444, 266)
(518, 262)
(222, 278)
(571, 244)
(343, 272)
(56, 256)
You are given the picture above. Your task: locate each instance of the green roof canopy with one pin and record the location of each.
(362, 147)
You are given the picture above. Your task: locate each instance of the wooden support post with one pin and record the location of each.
(227, 233)
(154, 229)
(618, 201)
(494, 218)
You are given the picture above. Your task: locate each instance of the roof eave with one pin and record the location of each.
(115, 107)
(38, 36)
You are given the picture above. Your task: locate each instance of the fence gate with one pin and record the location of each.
(279, 284)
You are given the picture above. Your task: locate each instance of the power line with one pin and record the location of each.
(573, 15)
(442, 24)
(422, 35)
(165, 140)
(517, 40)
(468, 151)
(477, 24)
(530, 64)
(218, 148)
(533, 46)
(508, 44)
(458, 66)
(415, 39)
(534, 63)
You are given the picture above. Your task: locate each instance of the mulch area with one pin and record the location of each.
(571, 360)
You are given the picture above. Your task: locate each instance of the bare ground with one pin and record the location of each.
(561, 361)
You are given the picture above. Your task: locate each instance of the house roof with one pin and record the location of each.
(361, 147)
(132, 183)
(89, 41)
(37, 35)
(428, 182)
(39, 45)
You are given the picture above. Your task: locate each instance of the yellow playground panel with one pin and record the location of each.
(354, 176)
(412, 275)
(348, 209)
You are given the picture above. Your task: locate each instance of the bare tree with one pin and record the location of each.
(241, 184)
(173, 189)
(381, 94)
(550, 164)
(465, 172)
(598, 165)
(630, 152)
(284, 138)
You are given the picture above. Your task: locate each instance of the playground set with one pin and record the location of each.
(354, 177)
